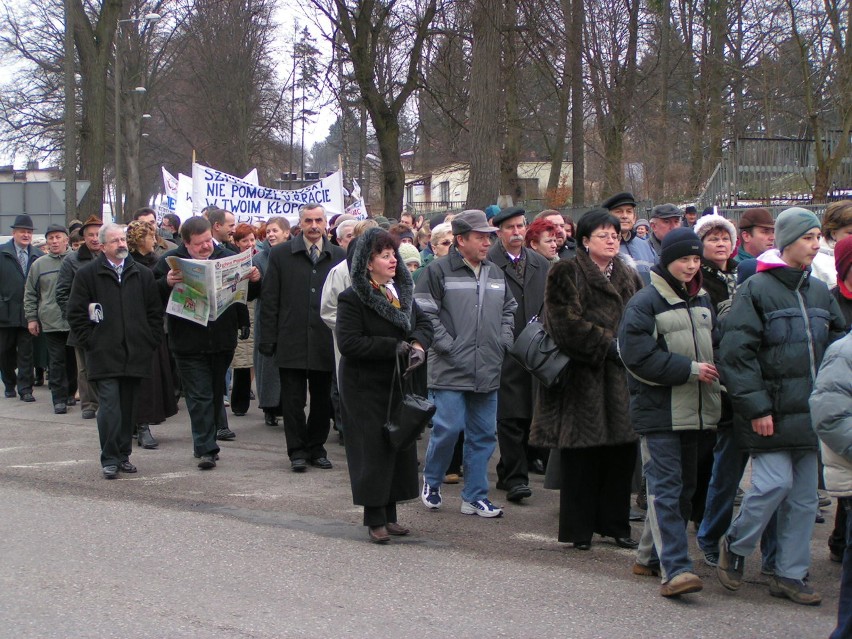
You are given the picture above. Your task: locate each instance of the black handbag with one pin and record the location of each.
(536, 351)
(406, 422)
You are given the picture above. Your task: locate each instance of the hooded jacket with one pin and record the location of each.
(473, 320)
(666, 332)
(780, 323)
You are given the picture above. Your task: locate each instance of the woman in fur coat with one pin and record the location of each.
(378, 322)
(587, 416)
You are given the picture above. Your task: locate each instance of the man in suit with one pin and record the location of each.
(295, 334)
(16, 343)
(526, 273)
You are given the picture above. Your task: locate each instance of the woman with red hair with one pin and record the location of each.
(541, 238)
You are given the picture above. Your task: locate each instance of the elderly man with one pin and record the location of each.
(664, 219)
(525, 272)
(473, 313)
(757, 234)
(16, 343)
(294, 332)
(88, 252)
(203, 353)
(632, 246)
(44, 317)
(117, 316)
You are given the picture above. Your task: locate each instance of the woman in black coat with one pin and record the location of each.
(377, 322)
(587, 416)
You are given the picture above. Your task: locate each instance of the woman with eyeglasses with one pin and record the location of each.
(440, 242)
(586, 416)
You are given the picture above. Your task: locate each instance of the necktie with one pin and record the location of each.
(118, 269)
(314, 253)
(23, 259)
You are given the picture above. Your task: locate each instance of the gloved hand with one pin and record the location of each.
(416, 358)
(267, 349)
(244, 332)
(403, 348)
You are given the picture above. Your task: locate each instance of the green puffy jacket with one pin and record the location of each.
(773, 342)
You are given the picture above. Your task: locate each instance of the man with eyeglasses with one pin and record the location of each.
(116, 313)
(636, 250)
(525, 272)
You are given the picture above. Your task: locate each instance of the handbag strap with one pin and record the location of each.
(398, 377)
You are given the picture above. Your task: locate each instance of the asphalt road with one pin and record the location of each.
(250, 549)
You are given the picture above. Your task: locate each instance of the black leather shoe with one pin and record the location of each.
(127, 467)
(270, 419)
(583, 545)
(206, 462)
(88, 414)
(626, 542)
(10, 393)
(110, 472)
(519, 492)
(70, 402)
(225, 434)
(197, 456)
(27, 397)
(321, 462)
(145, 439)
(298, 465)
(60, 408)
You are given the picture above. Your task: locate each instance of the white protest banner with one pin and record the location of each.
(251, 203)
(209, 286)
(179, 197)
(357, 208)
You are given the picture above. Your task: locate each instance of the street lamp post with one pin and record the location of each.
(118, 208)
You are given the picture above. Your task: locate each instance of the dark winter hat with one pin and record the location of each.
(679, 243)
(756, 217)
(690, 209)
(382, 221)
(663, 211)
(507, 214)
(23, 222)
(619, 199)
(91, 221)
(792, 224)
(843, 257)
(55, 228)
(491, 210)
(471, 220)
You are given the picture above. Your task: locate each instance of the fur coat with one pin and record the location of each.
(582, 313)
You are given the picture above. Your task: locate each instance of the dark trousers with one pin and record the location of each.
(306, 437)
(240, 390)
(16, 352)
(844, 606)
(116, 418)
(512, 437)
(595, 492)
(203, 379)
(379, 515)
(335, 403)
(88, 390)
(62, 366)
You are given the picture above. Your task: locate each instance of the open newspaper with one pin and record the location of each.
(209, 286)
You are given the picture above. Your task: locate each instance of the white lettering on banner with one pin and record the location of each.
(252, 203)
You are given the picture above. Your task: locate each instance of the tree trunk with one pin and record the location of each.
(511, 152)
(578, 132)
(484, 179)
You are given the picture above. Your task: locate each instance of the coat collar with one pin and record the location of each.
(372, 298)
(298, 245)
(497, 254)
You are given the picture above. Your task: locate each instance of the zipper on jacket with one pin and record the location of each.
(805, 317)
(697, 358)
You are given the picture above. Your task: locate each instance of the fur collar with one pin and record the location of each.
(372, 298)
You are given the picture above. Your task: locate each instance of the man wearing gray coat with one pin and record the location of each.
(472, 310)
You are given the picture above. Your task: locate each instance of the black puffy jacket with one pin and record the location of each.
(774, 338)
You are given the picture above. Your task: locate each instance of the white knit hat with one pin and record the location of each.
(707, 223)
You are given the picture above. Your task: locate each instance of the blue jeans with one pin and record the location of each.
(729, 462)
(844, 607)
(476, 415)
(669, 462)
(786, 482)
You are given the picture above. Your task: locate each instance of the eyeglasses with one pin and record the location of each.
(607, 236)
(445, 243)
(117, 240)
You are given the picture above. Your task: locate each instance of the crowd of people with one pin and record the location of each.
(695, 346)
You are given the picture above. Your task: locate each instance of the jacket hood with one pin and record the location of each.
(372, 298)
(683, 292)
(793, 278)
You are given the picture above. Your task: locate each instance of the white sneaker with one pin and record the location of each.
(483, 508)
(431, 497)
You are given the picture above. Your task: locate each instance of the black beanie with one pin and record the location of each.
(680, 243)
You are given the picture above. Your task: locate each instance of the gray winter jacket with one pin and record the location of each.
(831, 412)
(40, 294)
(473, 320)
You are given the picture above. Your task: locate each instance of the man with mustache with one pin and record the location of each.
(116, 313)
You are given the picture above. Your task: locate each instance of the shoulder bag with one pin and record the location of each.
(536, 351)
(406, 422)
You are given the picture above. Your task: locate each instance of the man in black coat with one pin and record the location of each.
(203, 353)
(16, 343)
(117, 316)
(526, 273)
(295, 333)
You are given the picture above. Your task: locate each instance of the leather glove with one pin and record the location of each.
(402, 349)
(244, 332)
(267, 349)
(416, 359)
